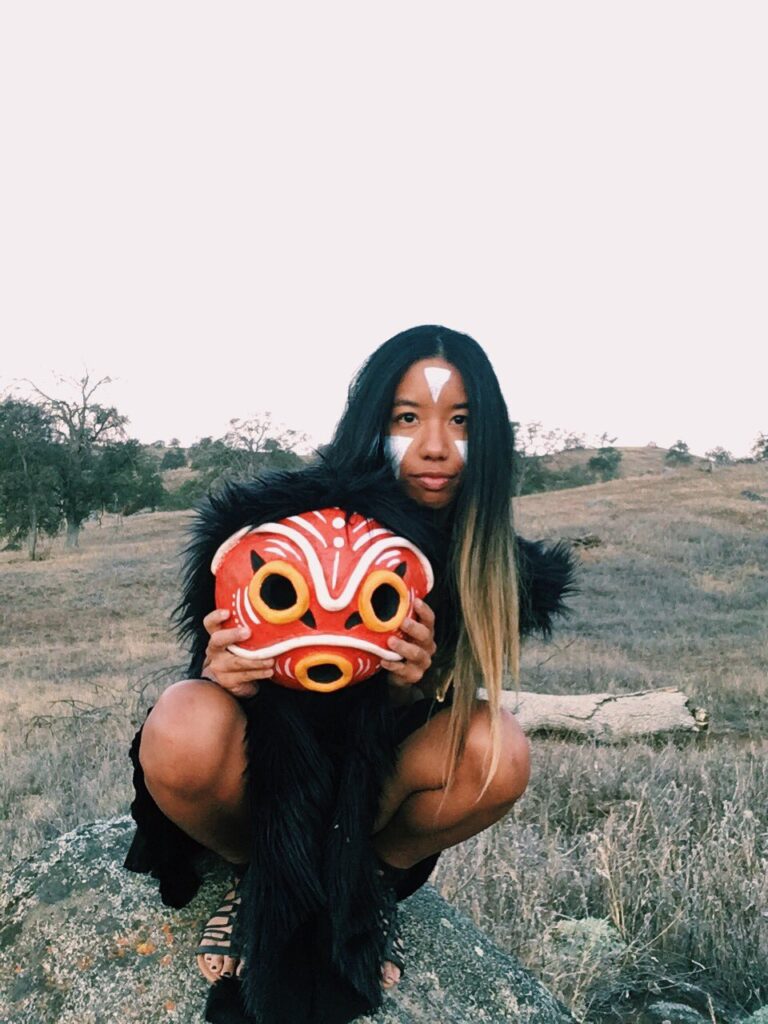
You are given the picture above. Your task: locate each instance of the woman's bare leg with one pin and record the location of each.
(418, 817)
(193, 756)
(194, 760)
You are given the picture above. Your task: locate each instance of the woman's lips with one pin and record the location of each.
(431, 482)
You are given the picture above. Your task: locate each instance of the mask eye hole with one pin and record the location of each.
(383, 601)
(279, 593)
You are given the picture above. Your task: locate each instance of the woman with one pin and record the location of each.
(427, 403)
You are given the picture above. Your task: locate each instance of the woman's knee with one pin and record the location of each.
(193, 734)
(510, 779)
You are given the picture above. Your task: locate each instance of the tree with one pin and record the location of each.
(173, 458)
(534, 447)
(126, 478)
(248, 447)
(720, 456)
(760, 448)
(605, 463)
(30, 501)
(81, 426)
(678, 454)
(532, 444)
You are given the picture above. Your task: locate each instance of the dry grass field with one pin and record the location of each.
(623, 869)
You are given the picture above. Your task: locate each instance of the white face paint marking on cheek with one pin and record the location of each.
(396, 447)
(462, 447)
(437, 377)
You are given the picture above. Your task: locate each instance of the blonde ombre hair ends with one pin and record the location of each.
(488, 647)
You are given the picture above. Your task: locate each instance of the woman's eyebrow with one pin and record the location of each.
(417, 405)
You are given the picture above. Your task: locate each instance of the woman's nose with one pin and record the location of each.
(434, 441)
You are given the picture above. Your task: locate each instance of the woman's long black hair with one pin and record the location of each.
(359, 437)
(482, 643)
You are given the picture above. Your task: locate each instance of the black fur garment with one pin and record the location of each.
(309, 922)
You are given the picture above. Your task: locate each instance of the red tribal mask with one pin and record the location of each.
(321, 592)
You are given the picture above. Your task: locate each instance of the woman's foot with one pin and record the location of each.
(393, 967)
(218, 954)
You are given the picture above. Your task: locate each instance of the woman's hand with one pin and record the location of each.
(239, 676)
(417, 651)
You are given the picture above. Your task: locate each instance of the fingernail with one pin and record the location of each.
(408, 622)
(243, 633)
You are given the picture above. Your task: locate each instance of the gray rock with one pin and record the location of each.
(83, 941)
(666, 1012)
(758, 1017)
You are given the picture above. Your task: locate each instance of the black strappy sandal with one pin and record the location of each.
(219, 936)
(394, 949)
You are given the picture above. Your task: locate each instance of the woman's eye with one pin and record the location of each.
(460, 420)
(406, 417)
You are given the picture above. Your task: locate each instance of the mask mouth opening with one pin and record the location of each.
(326, 673)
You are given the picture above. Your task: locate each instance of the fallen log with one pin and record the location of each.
(610, 717)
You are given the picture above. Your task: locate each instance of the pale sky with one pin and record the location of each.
(226, 207)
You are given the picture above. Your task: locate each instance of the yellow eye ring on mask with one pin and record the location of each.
(279, 593)
(336, 669)
(383, 601)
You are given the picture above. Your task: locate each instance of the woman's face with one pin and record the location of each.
(427, 442)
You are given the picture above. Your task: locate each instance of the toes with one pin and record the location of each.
(390, 975)
(210, 966)
(229, 966)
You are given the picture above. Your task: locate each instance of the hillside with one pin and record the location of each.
(675, 592)
(645, 461)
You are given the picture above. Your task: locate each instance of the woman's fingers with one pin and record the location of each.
(239, 682)
(416, 651)
(234, 673)
(225, 662)
(421, 634)
(247, 689)
(421, 626)
(411, 653)
(411, 669)
(213, 620)
(424, 613)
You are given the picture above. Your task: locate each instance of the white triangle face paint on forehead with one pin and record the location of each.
(396, 447)
(437, 377)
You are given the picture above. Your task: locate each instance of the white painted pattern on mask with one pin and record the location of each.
(437, 377)
(396, 447)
